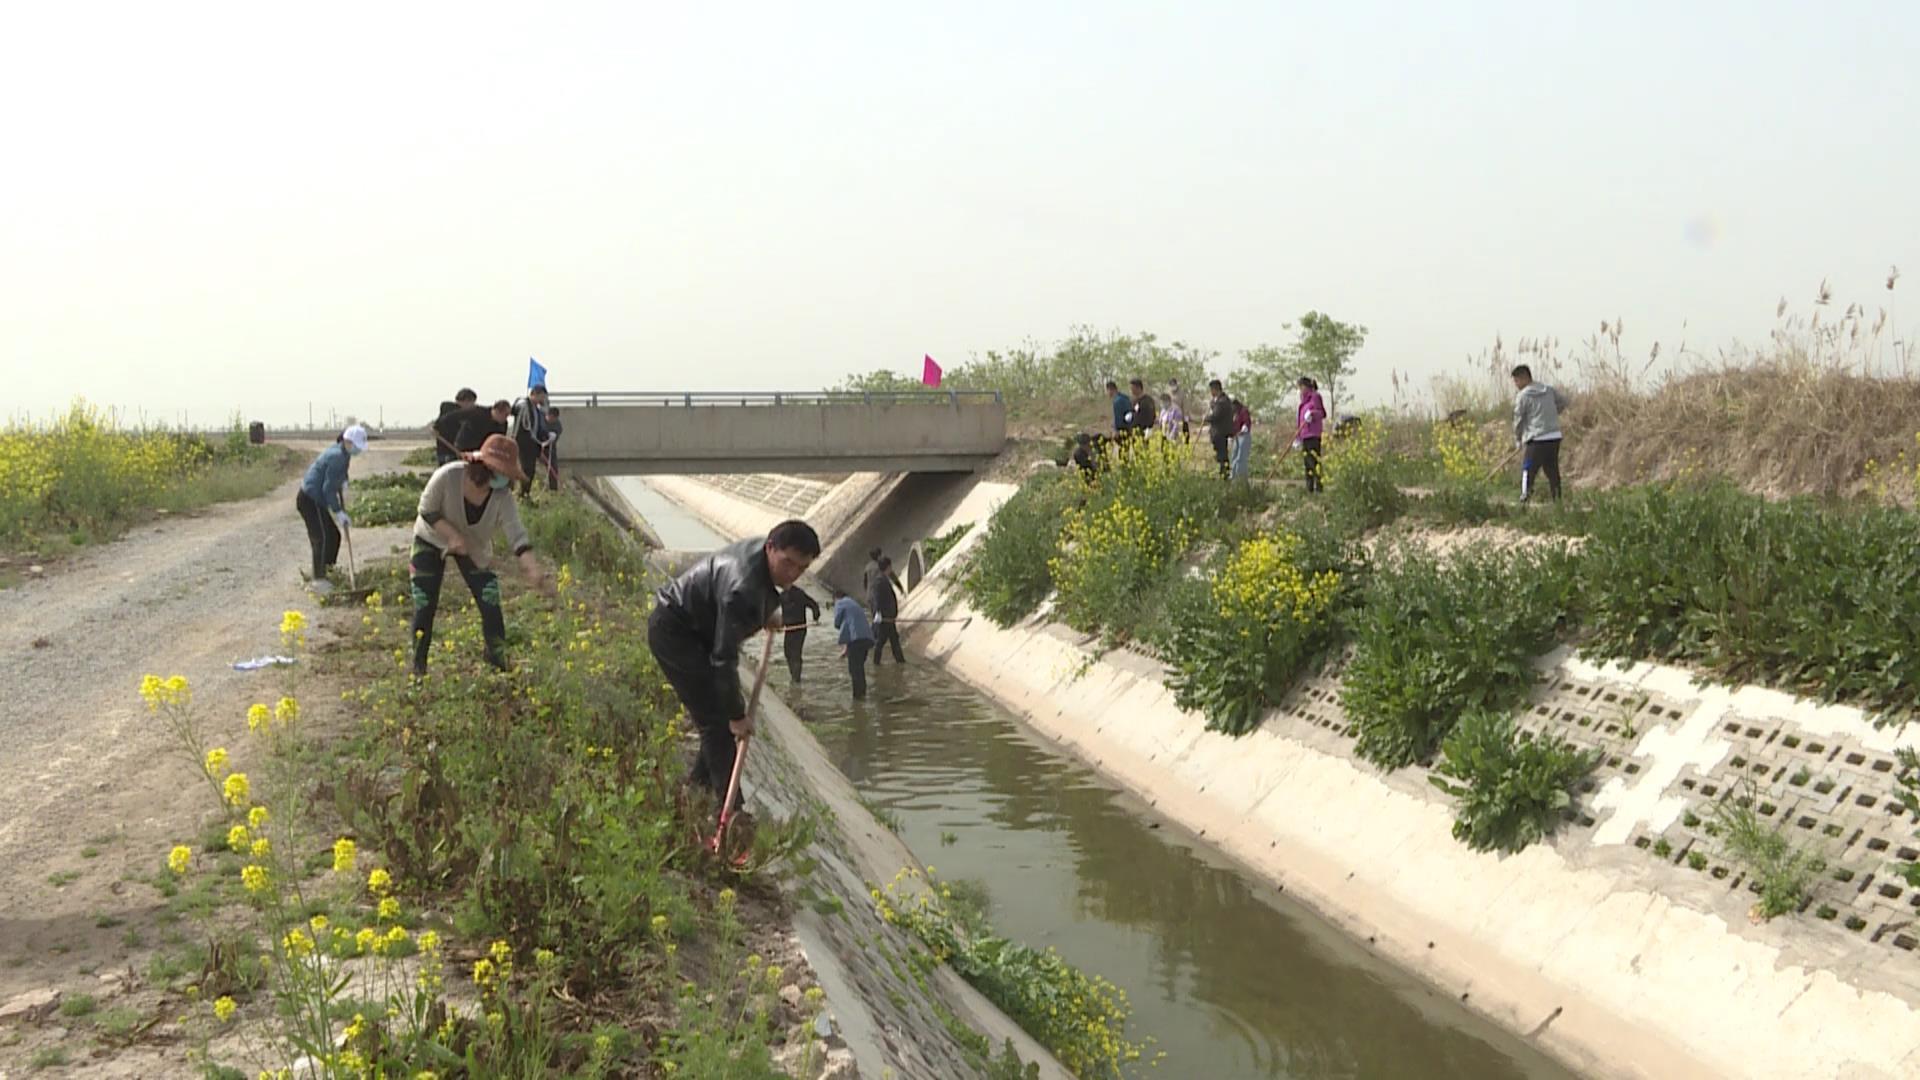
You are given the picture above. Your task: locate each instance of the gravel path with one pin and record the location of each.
(91, 795)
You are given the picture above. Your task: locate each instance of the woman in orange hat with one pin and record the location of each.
(465, 505)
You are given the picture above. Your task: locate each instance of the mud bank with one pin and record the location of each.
(1613, 961)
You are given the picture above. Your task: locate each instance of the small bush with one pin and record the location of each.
(1238, 643)
(1144, 509)
(936, 547)
(419, 456)
(1359, 475)
(386, 499)
(1436, 641)
(1813, 599)
(1009, 577)
(1784, 872)
(1511, 790)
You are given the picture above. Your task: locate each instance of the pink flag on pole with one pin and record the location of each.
(930, 373)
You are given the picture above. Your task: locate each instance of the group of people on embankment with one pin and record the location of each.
(1229, 422)
(1137, 417)
(532, 422)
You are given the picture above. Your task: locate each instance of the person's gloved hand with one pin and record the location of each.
(340, 518)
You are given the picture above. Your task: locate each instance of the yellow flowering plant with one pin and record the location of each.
(1240, 640)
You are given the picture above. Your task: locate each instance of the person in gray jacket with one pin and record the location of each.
(1536, 431)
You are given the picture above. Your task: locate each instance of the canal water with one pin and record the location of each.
(1226, 975)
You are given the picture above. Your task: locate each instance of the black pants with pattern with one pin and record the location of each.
(426, 568)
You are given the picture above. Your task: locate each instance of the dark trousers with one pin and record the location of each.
(1542, 455)
(857, 665)
(885, 631)
(1220, 454)
(322, 534)
(796, 641)
(426, 568)
(684, 660)
(552, 468)
(529, 463)
(1310, 453)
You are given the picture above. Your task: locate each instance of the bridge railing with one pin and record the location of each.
(694, 399)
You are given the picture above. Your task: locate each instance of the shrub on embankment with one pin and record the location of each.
(1821, 600)
(1436, 640)
(84, 477)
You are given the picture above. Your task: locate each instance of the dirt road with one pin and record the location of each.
(91, 795)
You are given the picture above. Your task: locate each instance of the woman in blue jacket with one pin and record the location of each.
(322, 498)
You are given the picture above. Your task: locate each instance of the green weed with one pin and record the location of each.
(1511, 790)
(1009, 576)
(1436, 641)
(1784, 872)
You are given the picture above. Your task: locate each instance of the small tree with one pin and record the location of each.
(1322, 350)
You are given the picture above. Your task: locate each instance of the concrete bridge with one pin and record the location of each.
(635, 433)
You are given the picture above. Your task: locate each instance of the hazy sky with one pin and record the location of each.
(256, 207)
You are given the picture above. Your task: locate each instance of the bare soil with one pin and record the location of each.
(91, 795)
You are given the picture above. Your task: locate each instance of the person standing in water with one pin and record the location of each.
(856, 639)
(794, 606)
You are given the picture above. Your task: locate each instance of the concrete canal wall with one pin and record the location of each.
(1623, 947)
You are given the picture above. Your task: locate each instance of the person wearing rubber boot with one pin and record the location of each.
(856, 639)
(465, 505)
(699, 621)
(322, 501)
(794, 606)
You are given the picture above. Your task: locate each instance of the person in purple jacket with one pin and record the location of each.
(1306, 436)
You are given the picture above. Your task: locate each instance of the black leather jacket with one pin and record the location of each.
(1220, 417)
(723, 600)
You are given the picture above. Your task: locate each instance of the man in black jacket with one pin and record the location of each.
(794, 605)
(701, 619)
(883, 605)
(467, 429)
(1219, 423)
(443, 451)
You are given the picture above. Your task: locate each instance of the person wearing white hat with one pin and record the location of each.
(322, 498)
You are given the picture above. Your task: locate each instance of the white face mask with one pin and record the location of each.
(351, 449)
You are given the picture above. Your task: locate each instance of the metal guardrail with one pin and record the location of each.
(589, 399)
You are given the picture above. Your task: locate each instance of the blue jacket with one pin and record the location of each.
(326, 478)
(851, 621)
(1122, 409)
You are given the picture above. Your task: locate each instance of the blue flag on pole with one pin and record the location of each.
(536, 375)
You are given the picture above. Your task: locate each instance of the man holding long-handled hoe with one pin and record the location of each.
(698, 624)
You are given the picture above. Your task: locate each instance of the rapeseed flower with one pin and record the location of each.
(179, 858)
(235, 789)
(379, 882)
(258, 717)
(286, 711)
(343, 854)
(237, 838)
(389, 909)
(223, 1008)
(257, 817)
(216, 760)
(293, 628)
(297, 944)
(255, 878)
(261, 848)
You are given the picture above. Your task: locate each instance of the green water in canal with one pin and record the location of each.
(1226, 975)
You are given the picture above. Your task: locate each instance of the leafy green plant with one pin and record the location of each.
(1784, 871)
(1009, 577)
(1360, 477)
(1908, 792)
(1081, 1018)
(1511, 790)
(1435, 641)
(1810, 598)
(936, 547)
(1238, 642)
(386, 499)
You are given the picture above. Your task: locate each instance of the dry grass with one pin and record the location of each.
(1830, 405)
